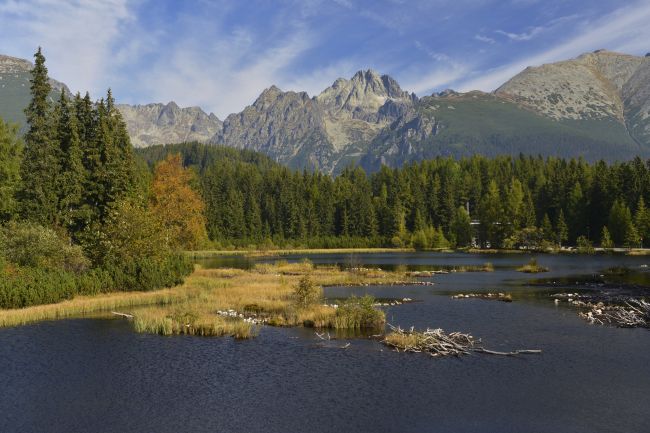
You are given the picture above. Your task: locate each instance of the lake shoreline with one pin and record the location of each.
(206, 254)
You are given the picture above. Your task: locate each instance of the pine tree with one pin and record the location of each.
(72, 176)
(547, 229)
(561, 228)
(40, 165)
(642, 221)
(461, 227)
(492, 216)
(606, 240)
(620, 222)
(10, 155)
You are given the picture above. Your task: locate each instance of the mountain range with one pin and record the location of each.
(595, 106)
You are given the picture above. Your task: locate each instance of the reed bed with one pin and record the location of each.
(85, 305)
(161, 322)
(264, 294)
(532, 267)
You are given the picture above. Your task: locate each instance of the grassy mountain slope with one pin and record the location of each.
(485, 124)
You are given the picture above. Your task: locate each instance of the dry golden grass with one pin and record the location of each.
(265, 291)
(279, 252)
(404, 341)
(84, 305)
(532, 267)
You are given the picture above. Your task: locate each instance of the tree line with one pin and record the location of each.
(503, 202)
(79, 213)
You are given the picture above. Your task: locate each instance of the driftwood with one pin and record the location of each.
(513, 353)
(437, 343)
(125, 315)
(489, 296)
(635, 313)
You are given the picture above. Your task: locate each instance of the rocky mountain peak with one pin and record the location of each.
(362, 96)
(10, 64)
(590, 86)
(167, 123)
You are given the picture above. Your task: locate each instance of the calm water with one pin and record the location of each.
(99, 376)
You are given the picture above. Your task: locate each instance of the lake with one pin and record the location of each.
(97, 375)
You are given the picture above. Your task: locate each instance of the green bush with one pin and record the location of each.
(27, 286)
(357, 313)
(33, 286)
(31, 245)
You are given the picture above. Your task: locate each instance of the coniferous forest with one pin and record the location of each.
(526, 202)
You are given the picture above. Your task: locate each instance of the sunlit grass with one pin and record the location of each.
(85, 305)
(532, 267)
(279, 252)
(165, 322)
(265, 293)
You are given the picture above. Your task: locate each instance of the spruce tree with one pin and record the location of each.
(40, 166)
(642, 221)
(606, 241)
(461, 227)
(71, 179)
(547, 229)
(10, 154)
(561, 228)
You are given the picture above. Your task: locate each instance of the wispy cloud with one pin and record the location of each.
(624, 30)
(223, 78)
(78, 36)
(524, 36)
(485, 39)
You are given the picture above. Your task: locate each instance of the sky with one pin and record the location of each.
(221, 54)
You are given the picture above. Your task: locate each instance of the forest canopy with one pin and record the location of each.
(503, 202)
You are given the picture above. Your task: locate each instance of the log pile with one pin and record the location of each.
(437, 343)
(635, 313)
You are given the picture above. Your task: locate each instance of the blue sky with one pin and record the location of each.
(221, 54)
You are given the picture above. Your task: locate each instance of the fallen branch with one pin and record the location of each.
(513, 353)
(125, 315)
(437, 343)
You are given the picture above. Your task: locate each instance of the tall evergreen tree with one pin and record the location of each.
(10, 155)
(561, 229)
(72, 174)
(642, 221)
(40, 166)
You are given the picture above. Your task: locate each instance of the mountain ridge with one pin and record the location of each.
(596, 105)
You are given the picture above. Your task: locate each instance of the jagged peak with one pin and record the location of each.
(367, 81)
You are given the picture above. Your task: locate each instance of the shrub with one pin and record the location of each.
(357, 313)
(31, 245)
(306, 293)
(33, 286)
(584, 245)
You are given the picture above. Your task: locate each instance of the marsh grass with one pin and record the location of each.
(267, 291)
(485, 267)
(86, 305)
(181, 322)
(532, 267)
(359, 313)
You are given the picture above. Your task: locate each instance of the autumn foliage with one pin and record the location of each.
(177, 205)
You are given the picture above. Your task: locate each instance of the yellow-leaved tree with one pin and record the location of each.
(178, 205)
